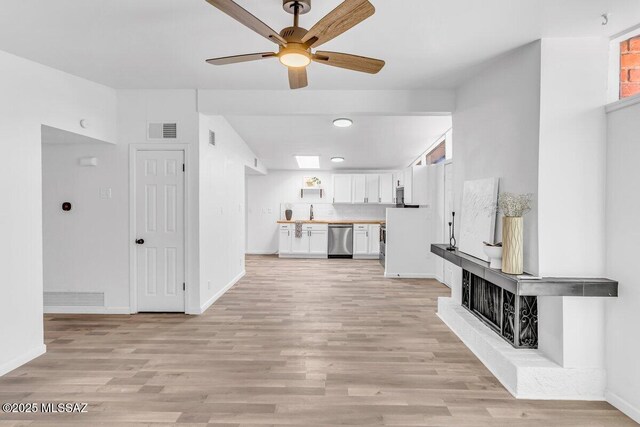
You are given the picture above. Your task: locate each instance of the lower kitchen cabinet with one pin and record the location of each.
(366, 241)
(313, 243)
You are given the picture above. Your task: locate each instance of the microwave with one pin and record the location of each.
(400, 199)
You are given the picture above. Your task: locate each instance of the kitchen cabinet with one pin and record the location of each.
(366, 241)
(319, 241)
(398, 179)
(408, 185)
(420, 187)
(416, 185)
(313, 243)
(372, 188)
(342, 189)
(284, 246)
(387, 191)
(360, 240)
(300, 245)
(359, 188)
(374, 239)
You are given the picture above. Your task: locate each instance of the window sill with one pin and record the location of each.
(622, 103)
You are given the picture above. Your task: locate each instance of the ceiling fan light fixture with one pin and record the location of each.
(294, 58)
(343, 122)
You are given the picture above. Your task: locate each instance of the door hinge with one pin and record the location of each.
(183, 167)
(184, 286)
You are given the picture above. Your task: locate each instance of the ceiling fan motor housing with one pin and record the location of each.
(304, 6)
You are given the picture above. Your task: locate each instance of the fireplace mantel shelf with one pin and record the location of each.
(547, 286)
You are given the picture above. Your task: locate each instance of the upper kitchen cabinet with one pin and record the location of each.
(416, 184)
(373, 188)
(342, 189)
(387, 189)
(398, 179)
(407, 183)
(359, 188)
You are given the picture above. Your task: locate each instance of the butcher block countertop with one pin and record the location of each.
(335, 221)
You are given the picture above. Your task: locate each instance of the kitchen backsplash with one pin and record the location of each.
(324, 211)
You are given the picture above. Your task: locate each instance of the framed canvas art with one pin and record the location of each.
(478, 216)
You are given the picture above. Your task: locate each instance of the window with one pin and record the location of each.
(630, 67)
(438, 154)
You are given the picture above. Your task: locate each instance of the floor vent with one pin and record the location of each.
(74, 299)
(162, 131)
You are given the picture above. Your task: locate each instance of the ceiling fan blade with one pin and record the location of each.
(347, 15)
(350, 62)
(238, 13)
(240, 58)
(298, 78)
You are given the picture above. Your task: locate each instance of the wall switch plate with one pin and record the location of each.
(105, 193)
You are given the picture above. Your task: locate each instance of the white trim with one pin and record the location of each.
(622, 103)
(409, 276)
(86, 310)
(613, 89)
(217, 295)
(304, 256)
(133, 149)
(627, 408)
(14, 363)
(261, 253)
(367, 257)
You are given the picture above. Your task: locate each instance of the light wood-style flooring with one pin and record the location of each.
(295, 343)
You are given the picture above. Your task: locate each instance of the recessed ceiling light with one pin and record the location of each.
(337, 159)
(342, 123)
(308, 162)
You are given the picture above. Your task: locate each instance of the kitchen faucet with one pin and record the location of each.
(311, 213)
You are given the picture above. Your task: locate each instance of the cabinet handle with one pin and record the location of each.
(288, 233)
(367, 234)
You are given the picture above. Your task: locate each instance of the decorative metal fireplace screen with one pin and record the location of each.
(513, 318)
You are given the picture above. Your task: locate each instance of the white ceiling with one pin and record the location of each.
(164, 43)
(373, 142)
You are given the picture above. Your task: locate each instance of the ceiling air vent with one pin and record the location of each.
(163, 131)
(212, 138)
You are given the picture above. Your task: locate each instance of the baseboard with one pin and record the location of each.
(9, 366)
(624, 406)
(365, 257)
(87, 310)
(441, 280)
(409, 276)
(204, 307)
(261, 253)
(304, 256)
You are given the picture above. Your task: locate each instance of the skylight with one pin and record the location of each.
(308, 162)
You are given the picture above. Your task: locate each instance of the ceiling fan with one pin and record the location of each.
(296, 43)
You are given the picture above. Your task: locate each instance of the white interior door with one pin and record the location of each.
(160, 231)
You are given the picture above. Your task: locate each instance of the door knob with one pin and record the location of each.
(140, 241)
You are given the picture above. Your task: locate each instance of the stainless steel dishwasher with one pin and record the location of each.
(340, 240)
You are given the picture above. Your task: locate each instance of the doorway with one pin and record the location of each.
(158, 228)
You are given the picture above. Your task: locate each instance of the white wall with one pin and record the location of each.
(572, 157)
(137, 108)
(571, 194)
(33, 95)
(622, 249)
(496, 130)
(86, 249)
(372, 102)
(221, 208)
